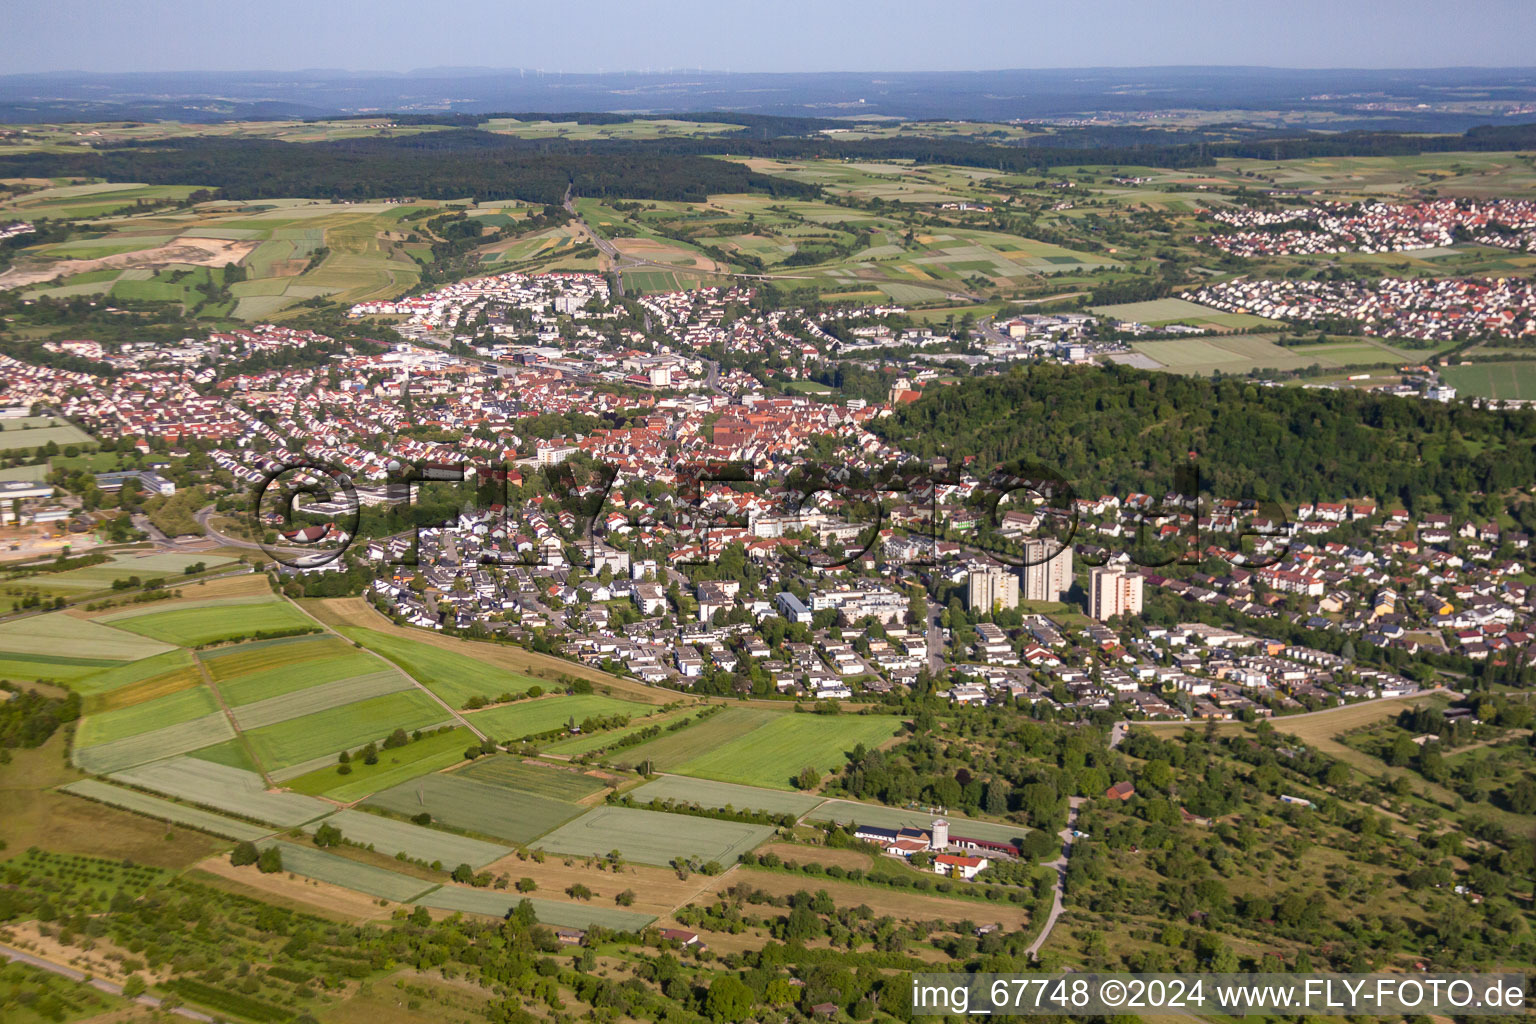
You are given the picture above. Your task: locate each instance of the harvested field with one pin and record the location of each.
(305, 894)
(657, 890)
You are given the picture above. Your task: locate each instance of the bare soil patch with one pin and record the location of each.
(201, 252)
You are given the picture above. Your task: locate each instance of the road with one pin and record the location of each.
(204, 514)
(111, 988)
(1117, 733)
(1060, 864)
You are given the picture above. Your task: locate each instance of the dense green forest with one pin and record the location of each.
(1126, 430)
(434, 165)
(461, 162)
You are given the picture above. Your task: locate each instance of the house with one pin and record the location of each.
(679, 935)
(959, 867)
(1120, 791)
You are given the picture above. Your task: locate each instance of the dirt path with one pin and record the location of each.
(1060, 864)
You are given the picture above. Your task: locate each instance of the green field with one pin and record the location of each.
(1163, 312)
(549, 912)
(1515, 379)
(223, 788)
(26, 434)
(511, 772)
(578, 745)
(144, 747)
(453, 677)
(530, 717)
(121, 676)
(651, 837)
(774, 753)
(476, 807)
(165, 810)
(171, 709)
(391, 837)
(671, 749)
(19, 668)
(396, 765)
(322, 660)
(322, 697)
(710, 794)
(193, 627)
(122, 566)
(47, 635)
(307, 860)
(343, 728)
(1245, 353)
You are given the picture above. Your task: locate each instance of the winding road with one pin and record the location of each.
(1060, 864)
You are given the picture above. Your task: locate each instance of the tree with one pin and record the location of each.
(134, 986)
(578, 892)
(464, 874)
(809, 778)
(327, 835)
(271, 861)
(729, 999)
(625, 898)
(526, 885)
(243, 854)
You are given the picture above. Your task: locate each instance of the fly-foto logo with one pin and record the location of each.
(308, 513)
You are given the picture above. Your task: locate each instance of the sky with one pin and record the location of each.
(765, 35)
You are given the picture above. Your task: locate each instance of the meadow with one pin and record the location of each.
(774, 753)
(1249, 352)
(653, 837)
(266, 669)
(121, 566)
(167, 741)
(28, 433)
(578, 745)
(172, 709)
(395, 766)
(476, 807)
(391, 837)
(1163, 312)
(452, 676)
(531, 717)
(223, 788)
(212, 623)
(510, 772)
(670, 749)
(46, 635)
(318, 698)
(716, 795)
(125, 684)
(1493, 380)
(315, 736)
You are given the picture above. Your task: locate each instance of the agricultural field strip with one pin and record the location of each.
(162, 712)
(223, 788)
(543, 714)
(549, 912)
(365, 878)
(193, 627)
(391, 837)
(318, 698)
(477, 807)
(774, 753)
(106, 758)
(671, 749)
(156, 608)
(654, 837)
(510, 772)
(324, 733)
(707, 793)
(166, 810)
(47, 635)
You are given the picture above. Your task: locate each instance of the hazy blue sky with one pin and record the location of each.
(788, 35)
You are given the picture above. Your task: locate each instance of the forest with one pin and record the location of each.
(489, 166)
(1122, 430)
